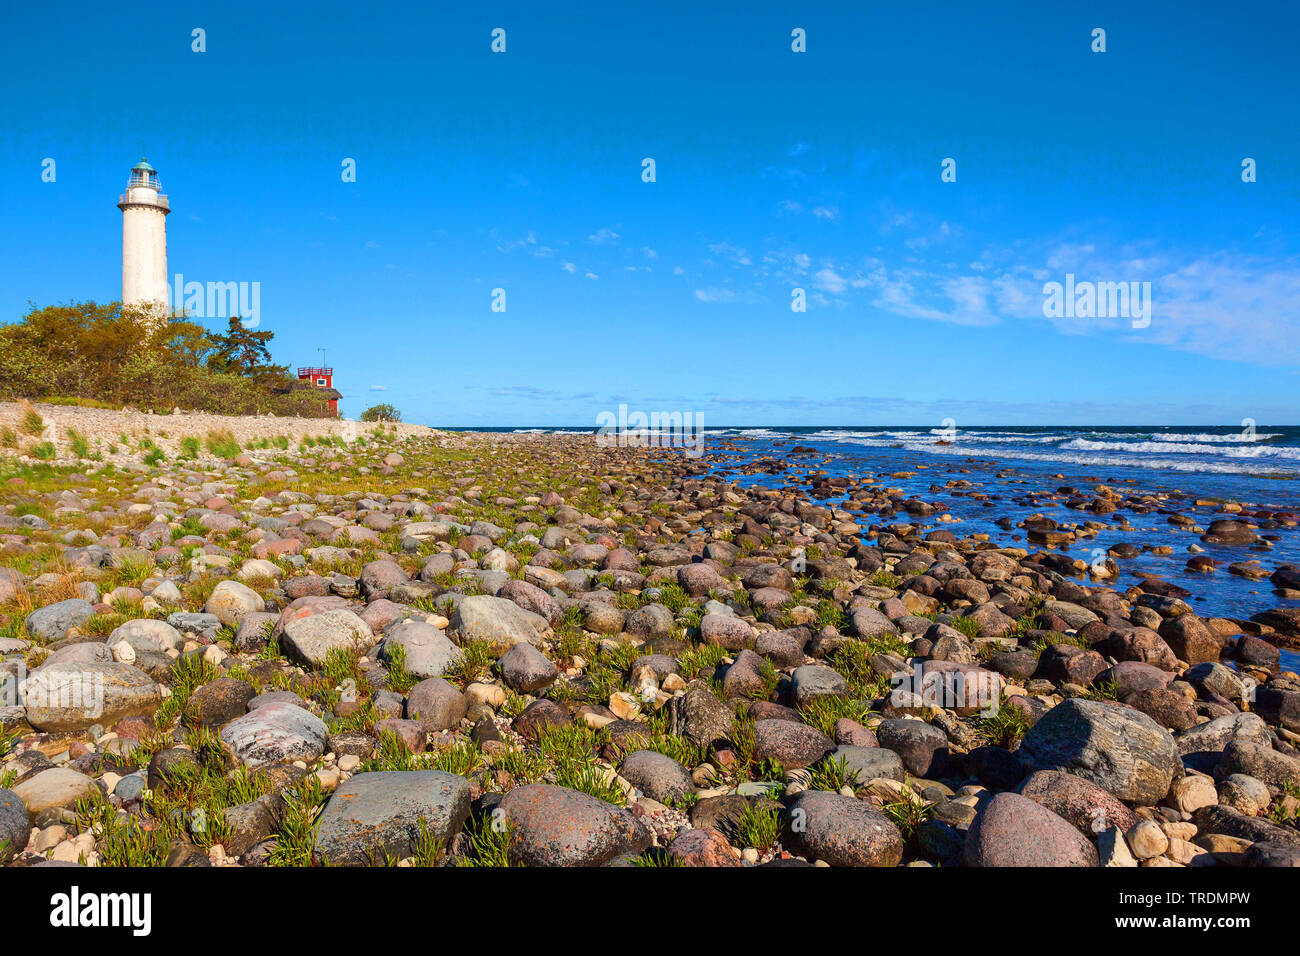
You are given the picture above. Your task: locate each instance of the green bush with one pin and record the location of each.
(103, 353)
(381, 413)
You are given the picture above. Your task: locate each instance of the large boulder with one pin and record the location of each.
(1202, 744)
(58, 787)
(68, 696)
(428, 651)
(147, 634)
(309, 640)
(791, 744)
(378, 814)
(52, 622)
(1121, 750)
(1084, 804)
(556, 826)
(499, 622)
(275, 733)
(230, 601)
(841, 831)
(1278, 771)
(1191, 639)
(1013, 830)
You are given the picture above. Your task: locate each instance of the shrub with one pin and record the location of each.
(381, 413)
(222, 443)
(88, 352)
(80, 443)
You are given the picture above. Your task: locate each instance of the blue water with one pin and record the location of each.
(1258, 471)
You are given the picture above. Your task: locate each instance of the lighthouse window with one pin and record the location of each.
(320, 381)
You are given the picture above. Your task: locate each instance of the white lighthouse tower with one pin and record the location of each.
(144, 244)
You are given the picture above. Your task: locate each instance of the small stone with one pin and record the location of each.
(1147, 840)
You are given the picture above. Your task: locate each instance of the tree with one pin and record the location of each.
(241, 350)
(381, 413)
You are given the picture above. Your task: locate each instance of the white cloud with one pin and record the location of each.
(570, 267)
(378, 388)
(828, 280)
(602, 237)
(715, 295)
(827, 213)
(734, 253)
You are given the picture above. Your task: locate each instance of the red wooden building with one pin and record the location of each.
(321, 378)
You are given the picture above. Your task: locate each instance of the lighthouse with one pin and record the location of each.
(144, 244)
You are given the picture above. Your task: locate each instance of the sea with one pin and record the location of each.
(1256, 466)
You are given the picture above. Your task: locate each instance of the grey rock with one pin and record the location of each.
(65, 697)
(922, 747)
(1121, 750)
(658, 776)
(501, 623)
(812, 681)
(436, 704)
(51, 623)
(14, 829)
(378, 813)
(526, 669)
(841, 831)
(699, 716)
(309, 640)
(276, 733)
(870, 763)
(429, 652)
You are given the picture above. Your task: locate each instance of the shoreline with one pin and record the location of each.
(634, 656)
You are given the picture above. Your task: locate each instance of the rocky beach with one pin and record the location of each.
(389, 645)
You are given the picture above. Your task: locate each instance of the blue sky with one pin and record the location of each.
(775, 170)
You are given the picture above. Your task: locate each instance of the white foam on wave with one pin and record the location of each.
(1239, 437)
(1120, 461)
(1285, 452)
